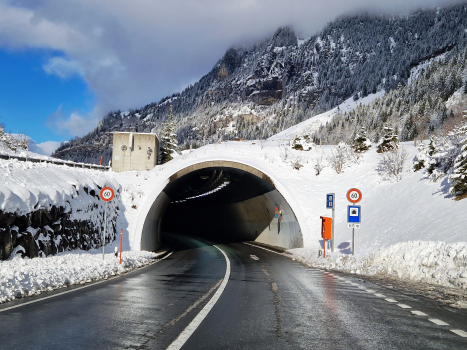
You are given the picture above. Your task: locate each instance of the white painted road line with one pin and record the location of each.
(254, 257)
(188, 331)
(391, 300)
(369, 290)
(380, 295)
(418, 313)
(438, 322)
(79, 288)
(404, 306)
(459, 332)
(269, 250)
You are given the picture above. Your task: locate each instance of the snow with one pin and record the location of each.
(313, 124)
(25, 185)
(415, 71)
(406, 216)
(411, 227)
(26, 277)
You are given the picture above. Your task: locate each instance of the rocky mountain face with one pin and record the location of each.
(255, 92)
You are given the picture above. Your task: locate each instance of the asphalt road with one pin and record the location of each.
(268, 302)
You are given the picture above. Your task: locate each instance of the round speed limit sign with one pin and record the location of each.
(107, 194)
(354, 195)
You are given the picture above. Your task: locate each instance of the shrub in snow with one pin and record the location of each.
(389, 140)
(439, 156)
(169, 142)
(303, 143)
(318, 163)
(284, 154)
(339, 157)
(392, 163)
(361, 143)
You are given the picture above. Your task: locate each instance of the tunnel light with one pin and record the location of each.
(221, 186)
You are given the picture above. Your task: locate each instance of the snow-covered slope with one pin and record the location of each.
(411, 228)
(309, 126)
(395, 212)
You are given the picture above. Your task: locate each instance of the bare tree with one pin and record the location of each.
(339, 157)
(421, 122)
(392, 163)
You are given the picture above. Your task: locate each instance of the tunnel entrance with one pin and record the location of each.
(222, 201)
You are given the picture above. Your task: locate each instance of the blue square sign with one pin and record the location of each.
(354, 213)
(330, 201)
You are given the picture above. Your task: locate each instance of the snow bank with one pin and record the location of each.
(26, 186)
(26, 277)
(438, 263)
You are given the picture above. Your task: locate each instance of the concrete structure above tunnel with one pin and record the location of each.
(246, 218)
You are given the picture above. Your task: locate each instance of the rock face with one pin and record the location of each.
(50, 231)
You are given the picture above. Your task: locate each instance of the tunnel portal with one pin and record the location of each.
(222, 201)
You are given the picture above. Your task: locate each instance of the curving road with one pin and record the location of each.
(268, 302)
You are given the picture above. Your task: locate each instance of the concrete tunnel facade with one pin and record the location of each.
(242, 208)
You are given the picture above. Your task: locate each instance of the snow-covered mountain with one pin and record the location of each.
(257, 91)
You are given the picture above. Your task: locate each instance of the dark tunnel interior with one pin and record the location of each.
(220, 204)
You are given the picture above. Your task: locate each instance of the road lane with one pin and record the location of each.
(270, 302)
(124, 312)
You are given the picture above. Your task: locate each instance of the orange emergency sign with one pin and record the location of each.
(326, 227)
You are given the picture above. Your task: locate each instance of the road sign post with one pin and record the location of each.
(330, 197)
(354, 195)
(107, 194)
(353, 219)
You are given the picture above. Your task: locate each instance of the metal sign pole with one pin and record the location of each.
(105, 230)
(353, 241)
(332, 228)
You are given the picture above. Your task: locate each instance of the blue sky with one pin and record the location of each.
(30, 97)
(65, 63)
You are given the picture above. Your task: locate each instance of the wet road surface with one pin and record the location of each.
(269, 302)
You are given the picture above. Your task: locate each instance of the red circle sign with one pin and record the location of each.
(107, 194)
(354, 195)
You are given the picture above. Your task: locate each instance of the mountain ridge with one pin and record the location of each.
(257, 91)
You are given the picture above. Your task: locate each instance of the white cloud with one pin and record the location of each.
(75, 124)
(134, 52)
(46, 148)
(63, 67)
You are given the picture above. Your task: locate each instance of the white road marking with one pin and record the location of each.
(438, 322)
(188, 331)
(369, 290)
(404, 306)
(254, 257)
(418, 313)
(79, 288)
(380, 295)
(269, 250)
(459, 332)
(274, 287)
(391, 300)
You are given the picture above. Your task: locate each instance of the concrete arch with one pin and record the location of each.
(253, 217)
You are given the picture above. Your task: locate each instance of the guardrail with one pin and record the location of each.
(56, 162)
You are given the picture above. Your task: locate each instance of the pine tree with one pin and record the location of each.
(169, 142)
(459, 175)
(361, 143)
(389, 141)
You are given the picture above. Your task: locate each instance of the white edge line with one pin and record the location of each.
(189, 330)
(459, 332)
(257, 246)
(79, 288)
